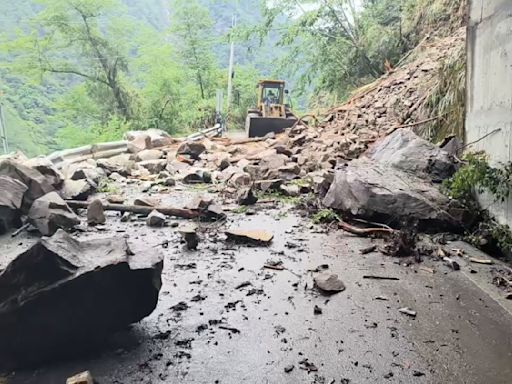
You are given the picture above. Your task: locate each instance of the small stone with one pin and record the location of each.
(149, 154)
(126, 217)
(329, 283)
(451, 263)
(189, 234)
(246, 196)
(407, 311)
(155, 219)
(169, 182)
(317, 310)
(81, 378)
(95, 213)
(192, 149)
(289, 368)
(291, 190)
(115, 199)
(146, 202)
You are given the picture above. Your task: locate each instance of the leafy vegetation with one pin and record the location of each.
(325, 216)
(339, 45)
(80, 71)
(477, 176)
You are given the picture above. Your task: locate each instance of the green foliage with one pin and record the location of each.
(339, 45)
(489, 234)
(86, 71)
(192, 31)
(325, 216)
(106, 186)
(476, 175)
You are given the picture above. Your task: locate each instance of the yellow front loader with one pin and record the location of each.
(271, 113)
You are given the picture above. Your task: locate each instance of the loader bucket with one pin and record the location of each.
(257, 126)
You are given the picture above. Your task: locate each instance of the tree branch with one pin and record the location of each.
(75, 72)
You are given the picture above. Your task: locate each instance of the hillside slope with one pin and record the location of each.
(403, 97)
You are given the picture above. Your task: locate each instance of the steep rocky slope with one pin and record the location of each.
(396, 100)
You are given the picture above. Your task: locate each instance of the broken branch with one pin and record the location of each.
(169, 211)
(364, 231)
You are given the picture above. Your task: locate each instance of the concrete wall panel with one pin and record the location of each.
(489, 105)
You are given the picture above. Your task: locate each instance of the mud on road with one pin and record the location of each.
(222, 317)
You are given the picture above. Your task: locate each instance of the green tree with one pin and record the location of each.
(192, 31)
(80, 40)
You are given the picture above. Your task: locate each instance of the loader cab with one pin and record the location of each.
(270, 92)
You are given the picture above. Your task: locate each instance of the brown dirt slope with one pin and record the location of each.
(395, 100)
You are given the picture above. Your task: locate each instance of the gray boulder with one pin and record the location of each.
(405, 150)
(153, 166)
(149, 154)
(157, 137)
(155, 219)
(77, 189)
(376, 191)
(50, 213)
(11, 199)
(37, 184)
(91, 174)
(96, 213)
(192, 149)
(63, 296)
(139, 143)
(47, 169)
(121, 164)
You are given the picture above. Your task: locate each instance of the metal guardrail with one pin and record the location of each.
(94, 151)
(113, 148)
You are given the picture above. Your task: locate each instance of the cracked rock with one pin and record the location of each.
(63, 296)
(49, 213)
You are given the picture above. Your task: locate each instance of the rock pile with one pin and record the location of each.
(28, 188)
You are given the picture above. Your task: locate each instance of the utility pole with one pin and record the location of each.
(231, 63)
(3, 131)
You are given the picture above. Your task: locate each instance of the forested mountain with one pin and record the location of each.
(41, 110)
(80, 71)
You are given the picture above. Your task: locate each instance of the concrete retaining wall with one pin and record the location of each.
(489, 90)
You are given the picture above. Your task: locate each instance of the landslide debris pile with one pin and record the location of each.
(398, 98)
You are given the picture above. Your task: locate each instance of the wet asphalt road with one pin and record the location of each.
(460, 334)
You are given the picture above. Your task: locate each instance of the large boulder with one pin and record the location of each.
(153, 166)
(149, 154)
(37, 184)
(405, 150)
(139, 143)
(157, 137)
(192, 148)
(62, 296)
(50, 213)
(376, 191)
(77, 189)
(11, 199)
(92, 175)
(47, 169)
(121, 164)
